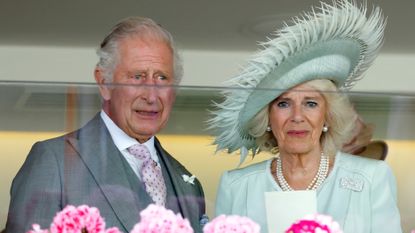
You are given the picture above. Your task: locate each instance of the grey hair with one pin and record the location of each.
(130, 27)
(340, 117)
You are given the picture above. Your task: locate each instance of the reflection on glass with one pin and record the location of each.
(33, 112)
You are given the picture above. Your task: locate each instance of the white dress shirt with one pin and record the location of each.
(122, 141)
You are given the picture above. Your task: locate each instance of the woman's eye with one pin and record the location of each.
(282, 104)
(311, 104)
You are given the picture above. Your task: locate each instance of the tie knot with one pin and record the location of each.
(140, 151)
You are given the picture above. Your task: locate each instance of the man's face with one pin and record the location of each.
(141, 98)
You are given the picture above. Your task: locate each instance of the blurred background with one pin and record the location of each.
(47, 57)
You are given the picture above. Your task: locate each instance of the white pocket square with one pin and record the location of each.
(189, 179)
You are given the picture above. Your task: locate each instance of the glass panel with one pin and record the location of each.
(32, 112)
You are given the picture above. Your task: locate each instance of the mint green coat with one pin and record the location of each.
(359, 193)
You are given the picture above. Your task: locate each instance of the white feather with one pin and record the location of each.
(343, 19)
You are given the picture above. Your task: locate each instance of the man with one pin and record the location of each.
(95, 165)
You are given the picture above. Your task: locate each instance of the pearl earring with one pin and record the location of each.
(269, 129)
(325, 129)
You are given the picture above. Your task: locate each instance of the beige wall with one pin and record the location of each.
(390, 72)
(197, 154)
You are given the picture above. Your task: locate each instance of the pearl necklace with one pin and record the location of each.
(321, 175)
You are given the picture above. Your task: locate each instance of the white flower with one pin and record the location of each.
(189, 179)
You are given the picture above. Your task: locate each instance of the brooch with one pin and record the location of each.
(189, 179)
(352, 184)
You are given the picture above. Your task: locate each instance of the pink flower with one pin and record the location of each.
(113, 230)
(157, 219)
(316, 223)
(76, 219)
(232, 223)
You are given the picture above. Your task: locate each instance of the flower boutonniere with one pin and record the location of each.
(189, 179)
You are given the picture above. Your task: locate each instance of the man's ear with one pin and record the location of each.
(104, 89)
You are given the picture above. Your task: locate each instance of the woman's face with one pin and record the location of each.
(297, 118)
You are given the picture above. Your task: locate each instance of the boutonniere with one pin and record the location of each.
(189, 179)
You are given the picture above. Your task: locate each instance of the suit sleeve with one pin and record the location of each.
(35, 192)
(224, 197)
(385, 213)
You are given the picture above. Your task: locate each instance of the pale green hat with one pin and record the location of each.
(337, 42)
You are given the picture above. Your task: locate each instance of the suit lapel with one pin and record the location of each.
(190, 201)
(108, 168)
(100, 155)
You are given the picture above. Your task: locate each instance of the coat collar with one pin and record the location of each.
(94, 140)
(98, 152)
(190, 197)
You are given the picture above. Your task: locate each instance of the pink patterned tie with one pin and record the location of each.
(150, 174)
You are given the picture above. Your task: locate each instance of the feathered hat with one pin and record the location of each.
(338, 42)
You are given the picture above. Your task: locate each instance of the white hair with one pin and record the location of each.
(134, 27)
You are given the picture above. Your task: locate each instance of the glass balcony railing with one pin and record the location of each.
(35, 111)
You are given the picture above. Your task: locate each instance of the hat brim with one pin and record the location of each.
(335, 60)
(338, 43)
(374, 150)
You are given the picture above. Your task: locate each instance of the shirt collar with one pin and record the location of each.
(122, 140)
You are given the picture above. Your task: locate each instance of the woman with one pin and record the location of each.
(290, 104)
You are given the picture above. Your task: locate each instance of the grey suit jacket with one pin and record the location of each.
(85, 167)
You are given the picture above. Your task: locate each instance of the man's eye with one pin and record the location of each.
(162, 77)
(138, 76)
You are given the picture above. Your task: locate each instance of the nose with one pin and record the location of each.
(149, 91)
(297, 114)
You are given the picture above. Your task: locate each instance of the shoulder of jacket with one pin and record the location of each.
(241, 174)
(360, 165)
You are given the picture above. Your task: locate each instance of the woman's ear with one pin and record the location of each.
(104, 89)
